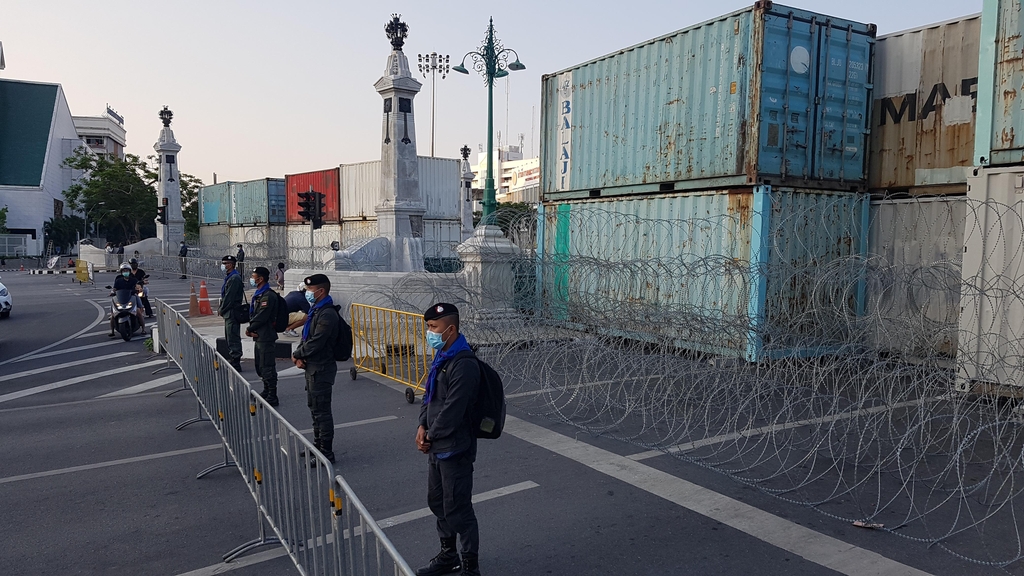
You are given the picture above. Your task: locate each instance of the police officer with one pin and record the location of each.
(240, 256)
(231, 295)
(315, 355)
(183, 255)
(262, 313)
(446, 435)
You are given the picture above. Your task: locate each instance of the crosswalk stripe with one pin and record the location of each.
(35, 371)
(144, 386)
(76, 380)
(68, 350)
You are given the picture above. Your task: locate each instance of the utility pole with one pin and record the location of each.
(433, 63)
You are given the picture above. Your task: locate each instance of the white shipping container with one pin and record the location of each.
(440, 182)
(992, 300)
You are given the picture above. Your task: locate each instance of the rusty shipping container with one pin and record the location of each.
(327, 182)
(923, 118)
(999, 138)
(766, 95)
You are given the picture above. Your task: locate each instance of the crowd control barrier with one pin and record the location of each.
(313, 513)
(392, 344)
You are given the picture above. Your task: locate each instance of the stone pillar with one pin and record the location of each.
(401, 209)
(489, 261)
(169, 187)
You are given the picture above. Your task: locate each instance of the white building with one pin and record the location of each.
(516, 179)
(103, 134)
(37, 133)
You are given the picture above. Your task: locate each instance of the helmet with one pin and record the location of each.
(125, 266)
(133, 262)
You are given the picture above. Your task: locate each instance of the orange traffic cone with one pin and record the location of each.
(193, 302)
(204, 300)
(22, 269)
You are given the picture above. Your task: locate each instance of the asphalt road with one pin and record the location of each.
(94, 479)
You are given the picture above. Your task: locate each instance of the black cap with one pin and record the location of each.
(261, 271)
(317, 280)
(440, 310)
(229, 258)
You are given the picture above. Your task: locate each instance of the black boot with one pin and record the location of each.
(324, 446)
(270, 395)
(469, 565)
(446, 561)
(316, 444)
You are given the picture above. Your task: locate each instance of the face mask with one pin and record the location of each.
(435, 340)
(252, 282)
(223, 268)
(125, 274)
(310, 298)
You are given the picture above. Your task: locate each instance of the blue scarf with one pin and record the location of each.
(460, 345)
(309, 316)
(224, 288)
(252, 305)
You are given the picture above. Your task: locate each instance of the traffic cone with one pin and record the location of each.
(22, 269)
(204, 300)
(193, 302)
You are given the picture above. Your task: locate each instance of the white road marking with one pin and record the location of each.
(289, 372)
(823, 550)
(159, 455)
(144, 386)
(35, 371)
(221, 568)
(99, 318)
(76, 380)
(94, 334)
(69, 350)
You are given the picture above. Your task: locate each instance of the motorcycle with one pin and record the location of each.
(123, 308)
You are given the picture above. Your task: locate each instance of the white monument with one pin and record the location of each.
(168, 188)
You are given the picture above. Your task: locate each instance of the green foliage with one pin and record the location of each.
(148, 344)
(64, 232)
(116, 194)
(3, 220)
(190, 186)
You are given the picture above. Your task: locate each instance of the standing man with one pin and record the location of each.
(446, 435)
(315, 355)
(231, 294)
(183, 254)
(241, 255)
(262, 312)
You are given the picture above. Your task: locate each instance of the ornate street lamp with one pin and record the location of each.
(433, 64)
(491, 60)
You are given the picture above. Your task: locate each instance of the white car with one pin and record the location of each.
(6, 302)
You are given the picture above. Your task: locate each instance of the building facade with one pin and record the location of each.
(103, 134)
(516, 179)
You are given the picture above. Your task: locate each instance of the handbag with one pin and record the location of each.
(243, 310)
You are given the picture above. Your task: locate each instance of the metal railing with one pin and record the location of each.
(309, 507)
(392, 344)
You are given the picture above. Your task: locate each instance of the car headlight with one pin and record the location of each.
(3, 292)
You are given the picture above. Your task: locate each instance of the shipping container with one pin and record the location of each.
(257, 202)
(360, 190)
(991, 339)
(261, 242)
(915, 248)
(440, 180)
(215, 204)
(214, 238)
(926, 87)
(731, 272)
(769, 94)
(298, 243)
(999, 138)
(327, 182)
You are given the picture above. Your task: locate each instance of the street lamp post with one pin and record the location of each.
(433, 63)
(491, 60)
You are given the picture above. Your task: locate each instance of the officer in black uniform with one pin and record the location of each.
(231, 295)
(240, 256)
(262, 313)
(315, 355)
(446, 435)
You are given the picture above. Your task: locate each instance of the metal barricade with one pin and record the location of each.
(392, 344)
(312, 511)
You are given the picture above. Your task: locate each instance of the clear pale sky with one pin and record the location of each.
(261, 88)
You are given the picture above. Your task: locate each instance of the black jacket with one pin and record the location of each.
(122, 283)
(447, 418)
(232, 298)
(319, 347)
(183, 251)
(262, 317)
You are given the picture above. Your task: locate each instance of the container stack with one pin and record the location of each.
(730, 126)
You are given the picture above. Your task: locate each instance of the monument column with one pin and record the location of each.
(168, 188)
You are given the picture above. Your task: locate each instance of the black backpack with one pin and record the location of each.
(488, 413)
(343, 344)
(280, 313)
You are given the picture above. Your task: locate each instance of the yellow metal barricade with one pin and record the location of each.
(393, 344)
(83, 271)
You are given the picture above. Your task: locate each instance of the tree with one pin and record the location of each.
(190, 186)
(63, 231)
(116, 193)
(3, 220)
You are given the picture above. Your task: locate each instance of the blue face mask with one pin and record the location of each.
(252, 282)
(223, 268)
(310, 298)
(435, 340)
(125, 274)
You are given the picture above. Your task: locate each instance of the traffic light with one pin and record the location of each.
(161, 214)
(307, 204)
(318, 210)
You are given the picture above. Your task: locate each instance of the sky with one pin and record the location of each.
(267, 88)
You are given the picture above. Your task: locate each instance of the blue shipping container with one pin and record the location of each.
(755, 273)
(215, 204)
(769, 94)
(257, 202)
(999, 130)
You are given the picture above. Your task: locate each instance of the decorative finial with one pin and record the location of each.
(165, 116)
(397, 31)
(465, 152)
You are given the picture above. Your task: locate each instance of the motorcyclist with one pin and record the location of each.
(141, 277)
(126, 281)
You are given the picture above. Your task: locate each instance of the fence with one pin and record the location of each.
(392, 344)
(313, 512)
